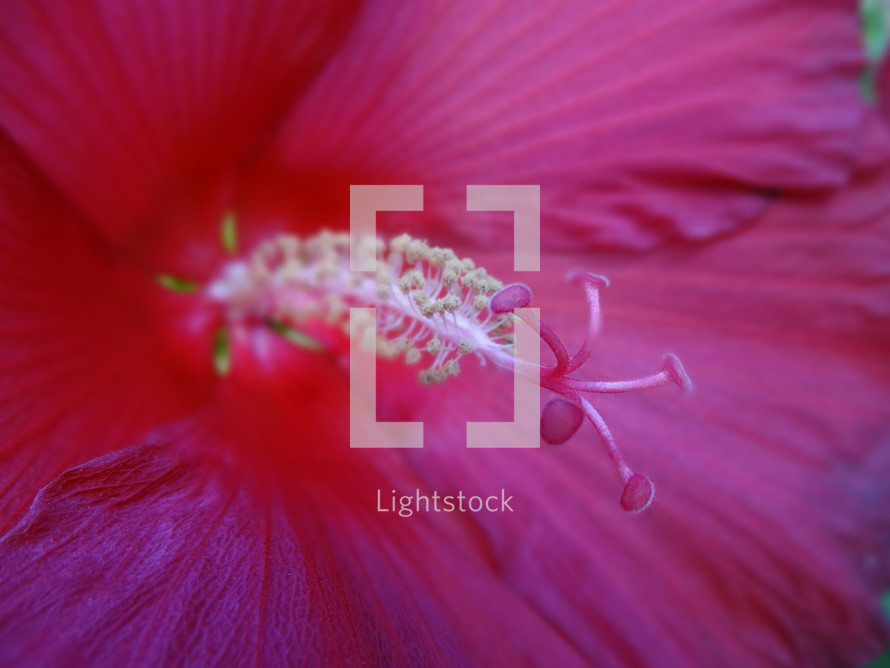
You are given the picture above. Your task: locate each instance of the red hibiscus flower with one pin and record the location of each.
(177, 482)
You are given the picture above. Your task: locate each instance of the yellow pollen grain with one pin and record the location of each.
(450, 303)
(400, 243)
(417, 250)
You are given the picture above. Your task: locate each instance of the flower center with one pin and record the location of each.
(430, 305)
(429, 302)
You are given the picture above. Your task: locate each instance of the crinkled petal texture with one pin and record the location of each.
(641, 121)
(153, 557)
(156, 560)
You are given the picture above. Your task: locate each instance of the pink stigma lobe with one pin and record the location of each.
(515, 295)
(560, 420)
(638, 494)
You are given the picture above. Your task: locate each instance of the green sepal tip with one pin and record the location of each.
(177, 284)
(222, 352)
(295, 336)
(229, 233)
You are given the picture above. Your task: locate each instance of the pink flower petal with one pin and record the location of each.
(641, 121)
(131, 107)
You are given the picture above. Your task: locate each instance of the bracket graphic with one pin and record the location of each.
(365, 431)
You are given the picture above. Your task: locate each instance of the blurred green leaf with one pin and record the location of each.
(875, 27)
(875, 17)
(882, 662)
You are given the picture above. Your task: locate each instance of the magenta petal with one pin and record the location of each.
(640, 121)
(141, 556)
